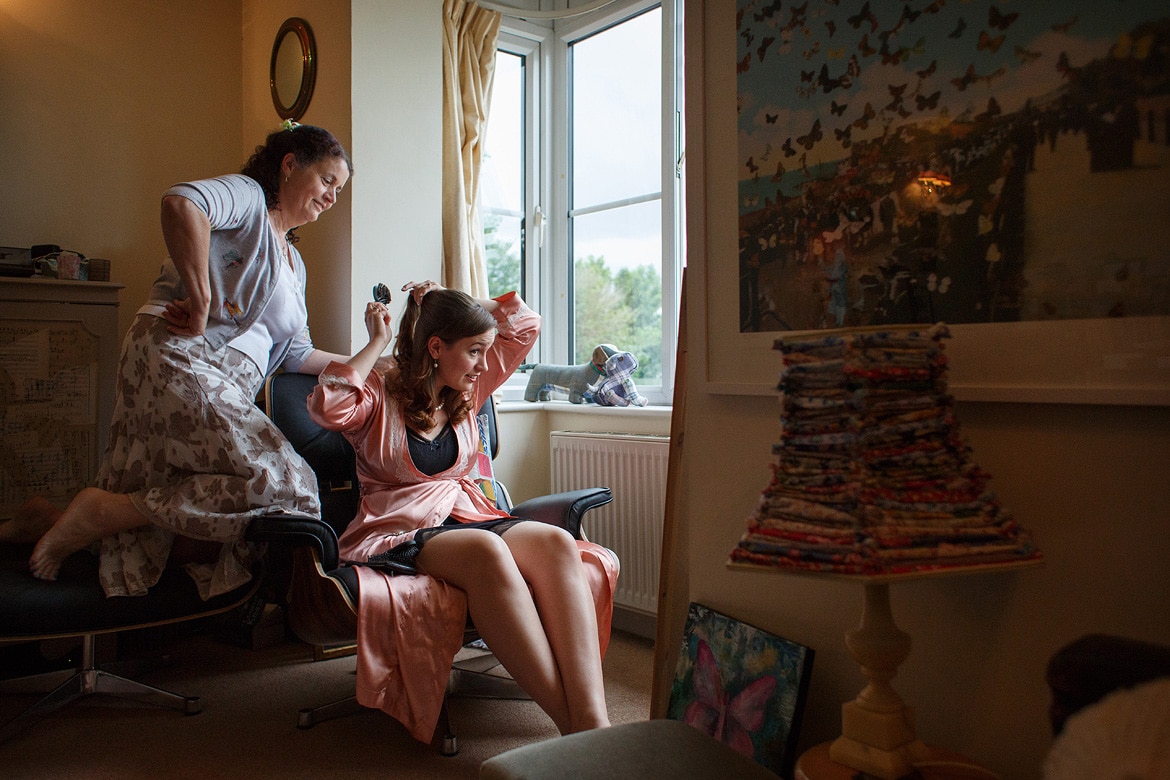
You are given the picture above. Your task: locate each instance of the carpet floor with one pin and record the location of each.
(248, 724)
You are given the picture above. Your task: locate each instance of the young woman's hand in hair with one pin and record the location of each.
(418, 290)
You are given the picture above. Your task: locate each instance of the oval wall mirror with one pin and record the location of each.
(293, 70)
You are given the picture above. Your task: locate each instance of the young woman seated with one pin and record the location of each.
(541, 600)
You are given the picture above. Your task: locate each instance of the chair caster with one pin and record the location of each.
(450, 746)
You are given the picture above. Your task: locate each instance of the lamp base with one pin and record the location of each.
(888, 764)
(877, 728)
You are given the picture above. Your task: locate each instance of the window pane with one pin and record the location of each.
(617, 285)
(616, 112)
(501, 193)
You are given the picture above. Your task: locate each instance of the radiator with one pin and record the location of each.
(634, 468)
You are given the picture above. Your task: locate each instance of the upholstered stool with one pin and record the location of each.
(644, 750)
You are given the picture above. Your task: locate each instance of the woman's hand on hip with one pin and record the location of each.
(185, 318)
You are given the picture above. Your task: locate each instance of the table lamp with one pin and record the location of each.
(873, 483)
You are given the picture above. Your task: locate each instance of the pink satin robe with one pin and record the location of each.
(411, 627)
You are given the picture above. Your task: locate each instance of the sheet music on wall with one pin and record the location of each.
(48, 410)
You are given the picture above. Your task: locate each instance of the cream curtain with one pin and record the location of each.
(469, 61)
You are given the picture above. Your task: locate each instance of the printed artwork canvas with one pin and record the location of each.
(956, 160)
(744, 686)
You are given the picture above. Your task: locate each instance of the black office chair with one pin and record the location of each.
(323, 595)
(74, 605)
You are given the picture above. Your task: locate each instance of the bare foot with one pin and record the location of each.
(93, 514)
(30, 521)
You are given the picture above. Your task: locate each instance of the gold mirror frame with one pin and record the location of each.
(304, 34)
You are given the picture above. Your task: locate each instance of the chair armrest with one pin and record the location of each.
(297, 531)
(565, 510)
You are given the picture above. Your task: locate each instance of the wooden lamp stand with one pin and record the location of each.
(877, 728)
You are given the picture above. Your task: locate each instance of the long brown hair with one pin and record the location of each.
(451, 315)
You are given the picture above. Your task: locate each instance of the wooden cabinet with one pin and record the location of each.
(59, 346)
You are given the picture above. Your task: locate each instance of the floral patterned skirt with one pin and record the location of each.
(197, 456)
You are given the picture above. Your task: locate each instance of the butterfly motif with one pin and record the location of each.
(768, 11)
(1025, 55)
(864, 15)
(950, 209)
(836, 108)
(814, 135)
(927, 71)
(934, 284)
(730, 719)
(764, 44)
(1000, 20)
(988, 43)
(928, 103)
(958, 31)
(862, 122)
(845, 136)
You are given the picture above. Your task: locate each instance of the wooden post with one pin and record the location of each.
(672, 577)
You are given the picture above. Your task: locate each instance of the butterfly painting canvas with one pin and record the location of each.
(742, 685)
(1050, 119)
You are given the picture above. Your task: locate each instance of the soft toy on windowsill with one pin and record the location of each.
(605, 380)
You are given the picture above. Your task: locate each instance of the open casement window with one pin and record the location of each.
(581, 184)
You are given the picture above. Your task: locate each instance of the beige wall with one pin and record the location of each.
(102, 107)
(1091, 482)
(326, 245)
(105, 105)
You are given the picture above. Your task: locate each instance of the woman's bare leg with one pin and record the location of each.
(501, 606)
(550, 562)
(93, 514)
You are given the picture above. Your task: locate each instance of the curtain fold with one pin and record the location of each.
(469, 60)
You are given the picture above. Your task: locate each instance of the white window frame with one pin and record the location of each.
(547, 276)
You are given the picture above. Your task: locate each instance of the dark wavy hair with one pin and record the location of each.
(451, 315)
(308, 144)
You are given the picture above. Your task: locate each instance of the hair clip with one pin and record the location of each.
(288, 124)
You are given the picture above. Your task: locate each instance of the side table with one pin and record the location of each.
(941, 764)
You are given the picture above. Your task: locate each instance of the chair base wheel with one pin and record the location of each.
(309, 717)
(87, 682)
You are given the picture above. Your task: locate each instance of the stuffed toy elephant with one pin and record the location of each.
(616, 387)
(604, 380)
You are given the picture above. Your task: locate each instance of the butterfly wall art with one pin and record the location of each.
(1029, 113)
(742, 685)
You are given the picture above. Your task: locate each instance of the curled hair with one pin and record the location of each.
(308, 145)
(451, 315)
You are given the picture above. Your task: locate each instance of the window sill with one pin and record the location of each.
(592, 410)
